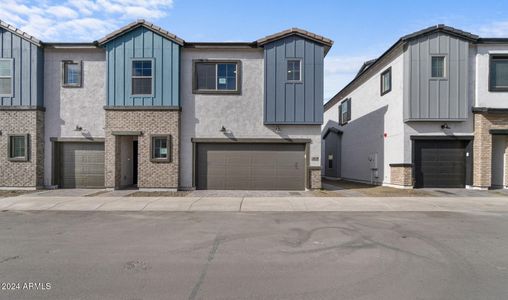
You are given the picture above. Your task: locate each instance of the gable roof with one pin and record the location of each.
(137, 24)
(20, 33)
(296, 31)
(365, 66)
(403, 40)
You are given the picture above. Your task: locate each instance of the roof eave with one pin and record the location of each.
(134, 25)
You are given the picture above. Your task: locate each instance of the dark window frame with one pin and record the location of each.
(347, 103)
(300, 60)
(168, 138)
(492, 58)
(11, 77)
(65, 84)
(238, 90)
(152, 77)
(10, 154)
(445, 66)
(387, 71)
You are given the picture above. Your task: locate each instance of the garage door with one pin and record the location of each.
(440, 164)
(250, 166)
(81, 165)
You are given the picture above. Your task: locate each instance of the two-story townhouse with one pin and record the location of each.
(431, 111)
(252, 112)
(142, 107)
(21, 109)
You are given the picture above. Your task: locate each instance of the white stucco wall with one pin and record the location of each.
(242, 115)
(484, 98)
(68, 107)
(372, 115)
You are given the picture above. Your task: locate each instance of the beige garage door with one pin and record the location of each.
(250, 166)
(81, 165)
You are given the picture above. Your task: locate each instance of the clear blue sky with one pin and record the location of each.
(361, 29)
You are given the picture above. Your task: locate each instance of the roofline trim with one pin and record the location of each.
(140, 23)
(20, 33)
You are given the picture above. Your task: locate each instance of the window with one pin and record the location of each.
(18, 147)
(6, 66)
(71, 74)
(498, 73)
(216, 77)
(294, 70)
(438, 67)
(330, 161)
(386, 81)
(345, 111)
(142, 77)
(160, 148)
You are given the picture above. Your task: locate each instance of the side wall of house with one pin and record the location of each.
(372, 116)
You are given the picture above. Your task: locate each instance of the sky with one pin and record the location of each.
(361, 30)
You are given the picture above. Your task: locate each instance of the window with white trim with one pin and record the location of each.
(438, 66)
(142, 77)
(6, 73)
(294, 69)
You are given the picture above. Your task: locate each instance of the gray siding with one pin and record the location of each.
(28, 70)
(289, 102)
(143, 43)
(426, 98)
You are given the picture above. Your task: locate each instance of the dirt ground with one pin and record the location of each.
(5, 193)
(349, 188)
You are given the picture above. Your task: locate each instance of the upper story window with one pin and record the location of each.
(438, 66)
(498, 76)
(345, 111)
(18, 147)
(6, 67)
(71, 74)
(219, 77)
(294, 68)
(386, 81)
(142, 77)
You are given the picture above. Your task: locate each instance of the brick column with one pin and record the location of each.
(482, 148)
(315, 177)
(401, 175)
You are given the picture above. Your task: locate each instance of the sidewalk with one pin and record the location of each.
(254, 204)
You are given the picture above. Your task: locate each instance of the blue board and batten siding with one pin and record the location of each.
(28, 60)
(143, 43)
(290, 102)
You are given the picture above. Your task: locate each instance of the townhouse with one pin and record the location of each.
(142, 107)
(431, 111)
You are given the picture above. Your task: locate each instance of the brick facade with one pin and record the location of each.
(315, 178)
(22, 174)
(401, 175)
(150, 174)
(482, 148)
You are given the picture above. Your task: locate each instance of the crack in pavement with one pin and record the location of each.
(211, 256)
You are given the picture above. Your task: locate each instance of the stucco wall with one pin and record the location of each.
(484, 98)
(372, 115)
(242, 115)
(68, 107)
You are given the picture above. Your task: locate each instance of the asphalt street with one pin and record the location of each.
(279, 255)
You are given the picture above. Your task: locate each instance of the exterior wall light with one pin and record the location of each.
(78, 128)
(223, 129)
(445, 126)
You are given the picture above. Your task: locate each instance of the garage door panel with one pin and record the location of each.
(81, 165)
(250, 166)
(440, 163)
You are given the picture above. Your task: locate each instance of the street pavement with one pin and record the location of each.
(253, 255)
